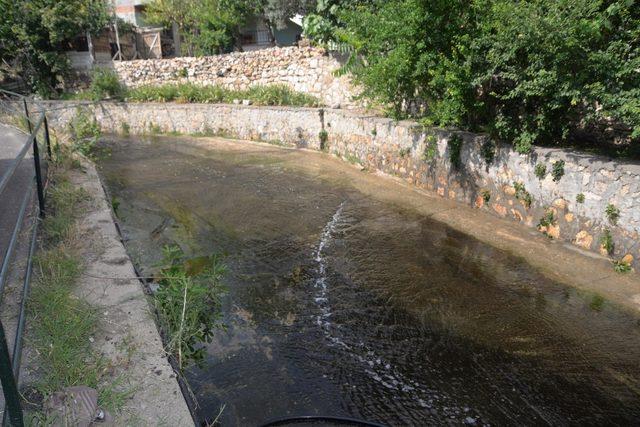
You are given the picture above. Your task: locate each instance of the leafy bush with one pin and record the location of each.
(105, 85)
(522, 194)
(580, 198)
(532, 72)
(188, 302)
(84, 131)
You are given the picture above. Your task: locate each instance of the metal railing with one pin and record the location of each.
(10, 359)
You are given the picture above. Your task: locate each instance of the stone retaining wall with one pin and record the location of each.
(506, 186)
(304, 69)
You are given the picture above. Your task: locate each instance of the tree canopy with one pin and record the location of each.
(529, 72)
(213, 26)
(34, 33)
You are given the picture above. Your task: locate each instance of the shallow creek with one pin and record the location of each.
(340, 303)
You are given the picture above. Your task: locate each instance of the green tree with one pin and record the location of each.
(529, 72)
(34, 34)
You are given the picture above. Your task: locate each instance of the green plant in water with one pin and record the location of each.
(597, 303)
(188, 303)
(154, 129)
(612, 213)
(580, 198)
(323, 136)
(540, 171)
(486, 195)
(455, 148)
(557, 172)
(430, 148)
(606, 241)
(125, 128)
(488, 151)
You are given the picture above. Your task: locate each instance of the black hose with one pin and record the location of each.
(320, 418)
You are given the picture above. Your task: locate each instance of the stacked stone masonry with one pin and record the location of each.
(422, 158)
(304, 69)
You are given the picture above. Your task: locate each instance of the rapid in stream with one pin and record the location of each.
(342, 303)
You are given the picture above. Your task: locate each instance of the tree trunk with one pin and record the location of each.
(176, 39)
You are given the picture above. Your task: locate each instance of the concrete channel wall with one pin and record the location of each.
(572, 205)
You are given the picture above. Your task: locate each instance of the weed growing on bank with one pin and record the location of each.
(62, 325)
(84, 131)
(188, 303)
(105, 85)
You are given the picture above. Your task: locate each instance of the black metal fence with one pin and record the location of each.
(15, 106)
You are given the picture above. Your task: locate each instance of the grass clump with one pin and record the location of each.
(597, 302)
(188, 302)
(192, 93)
(486, 195)
(621, 266)
(488, 151)
(105, 85)
(62, 325)
(580, 198)
(323, 136)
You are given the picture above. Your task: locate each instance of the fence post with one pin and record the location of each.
(9, 386)
(26, 113)
(46, 136)
(36, 160)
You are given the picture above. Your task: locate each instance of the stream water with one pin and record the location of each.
(343, 304)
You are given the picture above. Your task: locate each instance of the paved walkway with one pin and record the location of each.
(11, 142)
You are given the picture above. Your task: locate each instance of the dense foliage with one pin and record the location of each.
(213, 26)
(530, 72)
(34, 33)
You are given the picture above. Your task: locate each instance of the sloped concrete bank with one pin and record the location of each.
(109, 282)
(579, 198)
